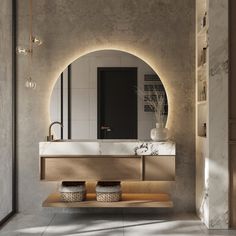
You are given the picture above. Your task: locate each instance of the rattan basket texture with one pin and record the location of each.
(72, 191)
(108, 192)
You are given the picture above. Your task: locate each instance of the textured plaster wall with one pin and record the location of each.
(161, 32)
(5, 109)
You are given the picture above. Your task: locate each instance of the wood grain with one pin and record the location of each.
(91, 168)
(161, 168)
(129, 200)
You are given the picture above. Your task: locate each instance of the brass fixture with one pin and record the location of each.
(50, 136)
(28, 51)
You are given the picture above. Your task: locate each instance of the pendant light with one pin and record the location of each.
(33, 41)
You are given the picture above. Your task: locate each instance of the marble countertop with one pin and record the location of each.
(106, 147)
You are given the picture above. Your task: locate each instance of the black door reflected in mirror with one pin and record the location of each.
(117, 103)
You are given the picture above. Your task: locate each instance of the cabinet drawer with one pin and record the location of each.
(91, 168)
(159, 168)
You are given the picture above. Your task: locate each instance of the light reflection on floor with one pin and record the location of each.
(71, 224)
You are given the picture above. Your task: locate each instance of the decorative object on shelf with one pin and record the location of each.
(152, 83)
(204, 20)
(204, 56)
(203, 95)
(155, 100)
(108, 191)
(72, 191)
(160, 133)
(204, 130)
(28, 51)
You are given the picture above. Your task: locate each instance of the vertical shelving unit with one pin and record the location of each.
(212, 178)
(202, 106)
(202, 69)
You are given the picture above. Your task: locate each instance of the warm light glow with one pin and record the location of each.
(127, 49)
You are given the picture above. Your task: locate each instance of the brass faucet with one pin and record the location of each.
(50, 136)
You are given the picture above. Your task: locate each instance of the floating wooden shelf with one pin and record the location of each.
(136, 200)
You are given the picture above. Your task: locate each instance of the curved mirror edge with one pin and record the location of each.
(79, 103)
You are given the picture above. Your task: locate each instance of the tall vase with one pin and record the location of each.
(160, 133)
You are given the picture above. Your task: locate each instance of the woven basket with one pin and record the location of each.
(73, 197)
(73, 191)
(108, 197)
(108, 191)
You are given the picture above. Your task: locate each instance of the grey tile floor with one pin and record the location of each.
(72, 224)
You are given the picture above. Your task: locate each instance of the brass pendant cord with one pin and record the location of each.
(30, 37)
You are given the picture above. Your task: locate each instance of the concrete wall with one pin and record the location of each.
(5, 108)
(162, 33)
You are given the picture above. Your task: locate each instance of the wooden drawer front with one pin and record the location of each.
(90, 168)
(161, 168)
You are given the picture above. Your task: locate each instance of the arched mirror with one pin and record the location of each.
(107, 94)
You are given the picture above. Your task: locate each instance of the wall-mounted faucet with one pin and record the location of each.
(50, 136)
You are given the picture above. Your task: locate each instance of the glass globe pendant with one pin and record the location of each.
(30, 83)
(28, 51)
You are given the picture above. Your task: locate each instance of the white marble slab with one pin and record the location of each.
(106, 147)
(69, 148)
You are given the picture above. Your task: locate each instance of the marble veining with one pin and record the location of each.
(106, 148)
(155, 148)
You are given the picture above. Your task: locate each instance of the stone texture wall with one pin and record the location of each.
(160, 32)
(218, 169)
(5, 109)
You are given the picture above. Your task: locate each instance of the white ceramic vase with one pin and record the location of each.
(160, 133)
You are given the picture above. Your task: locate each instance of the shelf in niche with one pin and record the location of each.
(202, 102)
(203, 31)
(201, 78)
(201, 136)
(202, 67)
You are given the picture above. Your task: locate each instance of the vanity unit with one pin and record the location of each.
(108, 160)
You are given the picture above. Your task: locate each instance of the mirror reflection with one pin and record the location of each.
(106, 95)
